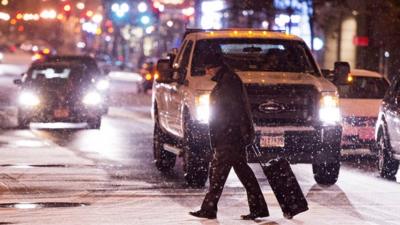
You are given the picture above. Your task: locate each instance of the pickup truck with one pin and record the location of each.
(295, 109)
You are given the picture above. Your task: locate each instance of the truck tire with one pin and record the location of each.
(326, 173)
(23, 122)
(196, 162)
(163, 159)
(94, 123)
(387, 166)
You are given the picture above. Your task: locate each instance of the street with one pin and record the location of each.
(78, 176)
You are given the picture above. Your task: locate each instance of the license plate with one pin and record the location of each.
(269, 141)
(61, 113)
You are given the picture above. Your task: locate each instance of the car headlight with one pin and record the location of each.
(203, 107)
(102, 85)
(329, 112)
(27, 98)
(92, 98)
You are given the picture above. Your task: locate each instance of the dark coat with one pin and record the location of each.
(230, 121)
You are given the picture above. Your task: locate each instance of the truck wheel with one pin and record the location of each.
(94, 123)
(196, 163)
(326, 173)
(163, 159)
(387, 166)
(23, 123)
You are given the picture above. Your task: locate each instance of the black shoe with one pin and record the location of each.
(204, 214)
(253, 216)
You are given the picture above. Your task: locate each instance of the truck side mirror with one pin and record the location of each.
(165, 71)
(340, 72)
(17, 81)
(327, 73)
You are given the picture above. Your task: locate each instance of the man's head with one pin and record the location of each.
(213, 59)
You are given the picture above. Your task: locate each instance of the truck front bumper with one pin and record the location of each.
(300, 144)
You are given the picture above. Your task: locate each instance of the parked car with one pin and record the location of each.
(59, 92)
(387, 132)
(148, 73)
(360, 95)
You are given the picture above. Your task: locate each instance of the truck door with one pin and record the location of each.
(177, 92)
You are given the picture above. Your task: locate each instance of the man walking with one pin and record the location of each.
(231, 130)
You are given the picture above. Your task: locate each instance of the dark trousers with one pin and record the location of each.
(224, 159)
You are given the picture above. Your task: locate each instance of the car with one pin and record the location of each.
(92, 69)
(59, 92)
(295, 109)
(148, 73)
(360, 95)
(387, 133)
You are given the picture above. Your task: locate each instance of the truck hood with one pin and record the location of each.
(320, 83)
(359, 107)
(272, 78)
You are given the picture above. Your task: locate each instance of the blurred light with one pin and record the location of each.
(35, 48)
(60, 16)
(103, 85)
(110, 30)
(36, 56)
(156, 76)
(30, 16)
(107, 38)
(265, 24)
(1, 56)
(21, 28)
(80, 5)
(148, 76)
(99, 31)
(46, 51)
(387, 54)
(150, 30)
(27, 98)
(89, 27)
(4, 2)
(89, 13)
(188, 11)
(19, 16)
(4, 16)
(211, 14)
(349, 78)
(67, 8)
(170, 23)
(318, 44)
(142, 7)
(13, 21)
(145, 20)
(48, 14)
(120, 9)
(92, 98)
(81, 44)
(97, 18)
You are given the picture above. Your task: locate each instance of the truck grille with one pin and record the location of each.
(282, 104)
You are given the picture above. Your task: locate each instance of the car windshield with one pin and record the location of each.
(364, 88)
(257, 55)
(50, 75)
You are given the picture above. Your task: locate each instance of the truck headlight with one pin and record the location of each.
(92, 98)
(102, 85)
(28, 98)
(329, 112)
(203, 107)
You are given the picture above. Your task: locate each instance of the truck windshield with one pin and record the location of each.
(363, 87)
(257, 55)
